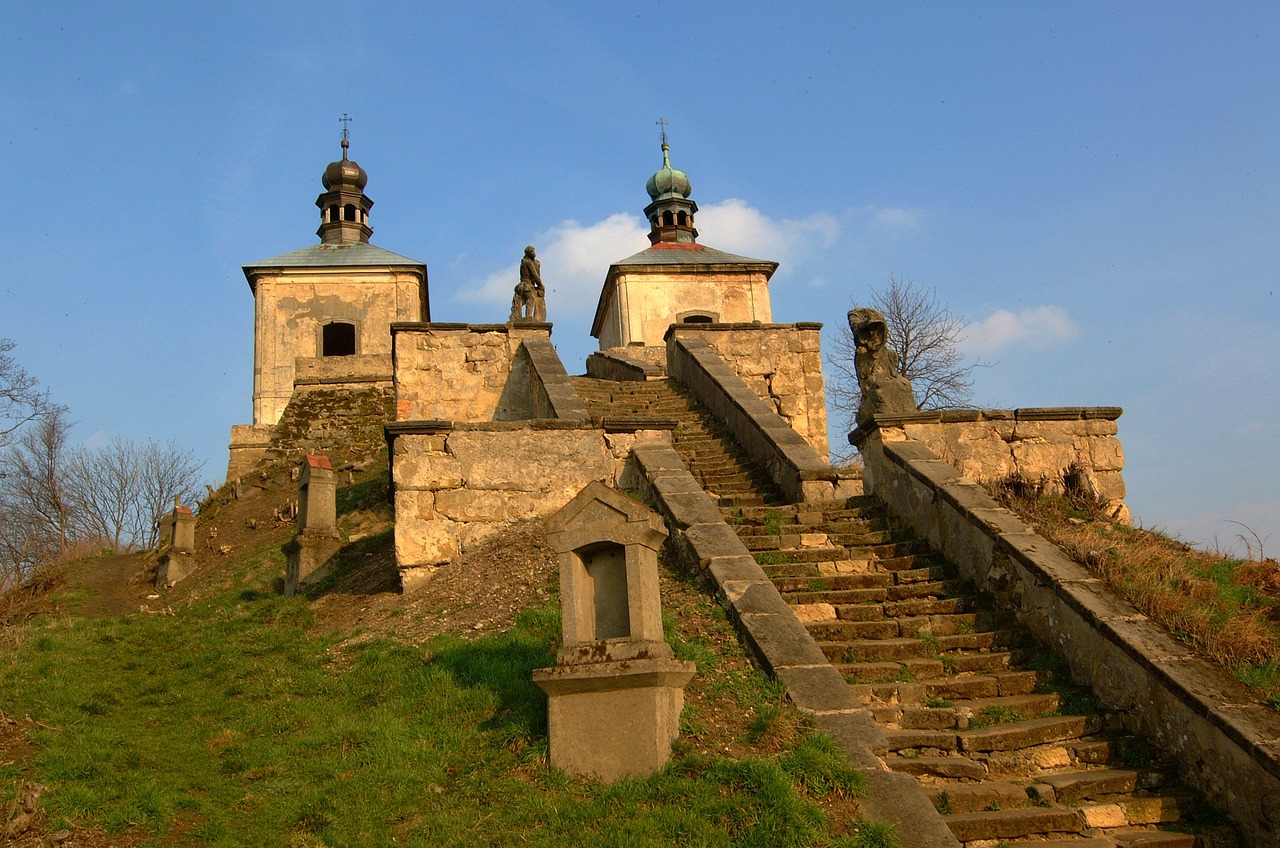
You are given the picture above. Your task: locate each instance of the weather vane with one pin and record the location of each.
(345, 120)
(662, 122)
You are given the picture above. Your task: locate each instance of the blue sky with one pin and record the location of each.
(1094, 186)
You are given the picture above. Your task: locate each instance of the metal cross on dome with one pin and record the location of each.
(662, 122)
(345, 120)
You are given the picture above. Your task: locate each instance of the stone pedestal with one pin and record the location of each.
(309, 556)
(614, 719)
(176, 546)
(615, 694)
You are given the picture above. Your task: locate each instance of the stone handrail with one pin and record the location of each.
(772, 443)
(605, 365)
(1227, 744)
(779, 641)
(552, 393)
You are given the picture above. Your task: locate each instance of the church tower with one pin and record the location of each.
(323, 314)
(676, 279)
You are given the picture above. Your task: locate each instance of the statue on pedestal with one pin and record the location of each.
(530, 300)
(884, 390)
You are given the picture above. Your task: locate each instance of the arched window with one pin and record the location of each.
(697, 319)
(682, 219)
(338, 339)
(668, 219)
(349, 212)
(333, 213)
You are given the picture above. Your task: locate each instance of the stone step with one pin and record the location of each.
(978, 687)
(1141, 809)
(956, 798)
(1014, 824)
(1069, 787)
(953, 768)
(874, 671)
(1029, 733)
(915, 712)
(808, 577)
(907, 740)
(789, 540)
(1158, 839)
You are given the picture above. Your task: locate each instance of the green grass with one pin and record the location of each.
(773, 519)
(234, 725)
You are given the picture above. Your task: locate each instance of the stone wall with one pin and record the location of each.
(248, 447)
(456, 485)
(1227, 743)
(781, 363)
(336, 370)
(769, 440)
(343, 421)
(624, 364)
(1042, 446)
(464, 372)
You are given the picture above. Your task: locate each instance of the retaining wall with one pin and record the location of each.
(1228, 745)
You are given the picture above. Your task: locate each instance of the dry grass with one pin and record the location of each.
(1227, 610)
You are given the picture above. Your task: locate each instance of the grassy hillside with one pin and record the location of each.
(224, 714)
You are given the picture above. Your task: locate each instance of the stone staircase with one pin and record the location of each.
(1008, 750)
(714, 459)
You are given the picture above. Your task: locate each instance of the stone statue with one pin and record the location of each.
(530, 300)
(884, 390)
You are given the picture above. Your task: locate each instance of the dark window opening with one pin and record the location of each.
(349, 212)
(697, 319)
(668, 219)
(338, 340)
(682, 219)
(333, 212)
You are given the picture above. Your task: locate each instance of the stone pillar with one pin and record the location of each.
(317, 496)
(309, 556)
(176, 545)
(615, 693)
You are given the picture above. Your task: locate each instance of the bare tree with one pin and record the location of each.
(926, 336)
(53, 497)
(21, 400)
(119, 490)
(165, 472)
(33, 473)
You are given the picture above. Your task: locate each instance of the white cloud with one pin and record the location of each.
(1037, 327)
(575, 257)
(895, 219)
(736, 226)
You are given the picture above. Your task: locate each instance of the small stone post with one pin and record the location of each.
(615, 693)
(309, 555)
(176, 543)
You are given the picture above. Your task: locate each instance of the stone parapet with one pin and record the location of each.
(339, 370)
(779, 642)
(1052, 448)
(249, 444)
(465, 372)
(552, 392)
(781, 363)
(1227, 743)
(798, 469)
(457, 484)
(623, 365)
